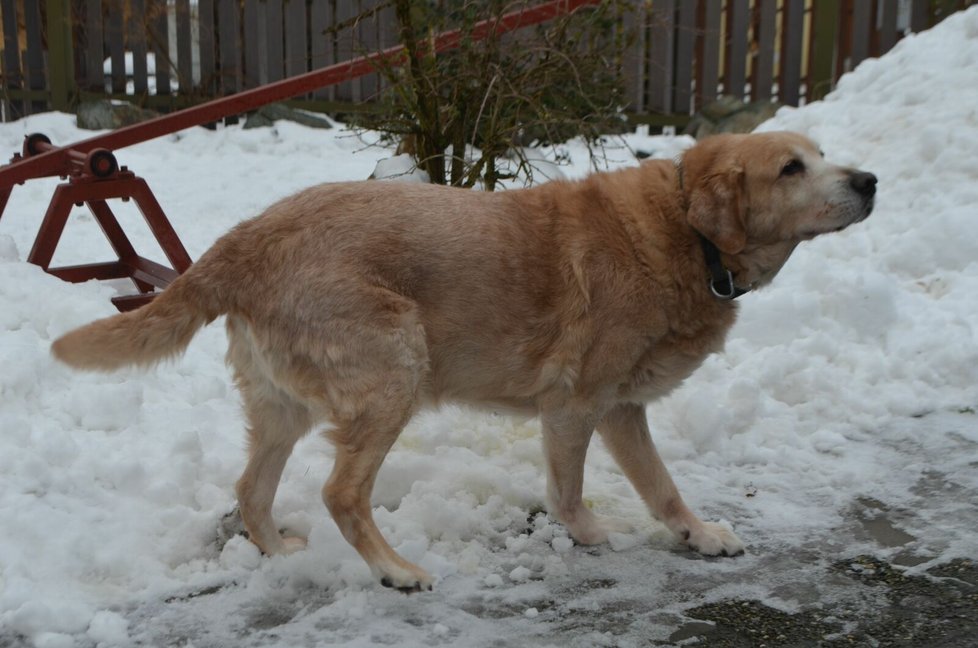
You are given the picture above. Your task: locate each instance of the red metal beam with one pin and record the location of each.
(57, 161)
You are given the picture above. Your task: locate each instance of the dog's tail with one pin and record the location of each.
(159, 330)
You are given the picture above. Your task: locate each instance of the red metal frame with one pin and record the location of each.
(146, 274)
(95, 178)
(93, 184)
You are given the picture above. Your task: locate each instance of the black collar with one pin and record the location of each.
(721, 280)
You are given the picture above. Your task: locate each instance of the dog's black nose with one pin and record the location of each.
(864, 183)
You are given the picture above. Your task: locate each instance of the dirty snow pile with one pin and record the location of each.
(114, 487)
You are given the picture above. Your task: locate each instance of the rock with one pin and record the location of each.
(271, 113)
(107, 115)
(721, 108)
(730, 115)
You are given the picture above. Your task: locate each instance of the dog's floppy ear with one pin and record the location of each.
(716, 195)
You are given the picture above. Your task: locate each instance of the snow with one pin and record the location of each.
(400, 167)
(128, 63)
(114, 487)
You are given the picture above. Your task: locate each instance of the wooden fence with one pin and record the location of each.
(169, 53)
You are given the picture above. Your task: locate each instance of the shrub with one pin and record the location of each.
(468, 113)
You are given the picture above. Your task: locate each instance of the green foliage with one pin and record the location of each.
(470, 111)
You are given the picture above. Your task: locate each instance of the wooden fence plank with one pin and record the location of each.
(321, 41)
(229, 40)
(862, 12)
(825, 26)
(185, 57)
(13, 78)
(274, 28)
(115, 41)
(94, 48)
(346, 10)
(762, 72)
(253, 47)
(34, 59)
(296, 40)
(843, 48)
(887, 27)
(635, 28)
(206, 41)
(708, 65)
(60, 55)
(159, 37)
(137, 45)
(662, 30)
(367, 40)
(919, 15)
(685, 42)
(792, 42)
(735, 74)
(11, 44)
(388, 36)
(941, 9)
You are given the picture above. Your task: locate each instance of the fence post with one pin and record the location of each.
(61, 63)
(941, 9)
(825, 28)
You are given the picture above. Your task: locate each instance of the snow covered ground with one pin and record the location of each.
(840, 420)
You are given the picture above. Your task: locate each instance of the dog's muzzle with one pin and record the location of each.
(864, 184)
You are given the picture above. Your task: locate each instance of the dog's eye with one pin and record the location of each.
(793, 168)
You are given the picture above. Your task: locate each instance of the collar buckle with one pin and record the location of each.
(724, 289)
(721, 279)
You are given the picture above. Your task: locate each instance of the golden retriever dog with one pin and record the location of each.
(354, 304)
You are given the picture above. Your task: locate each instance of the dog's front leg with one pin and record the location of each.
(566, 435)
(625, 432)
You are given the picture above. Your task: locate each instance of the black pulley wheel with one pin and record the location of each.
(102, 163)
(32, 141)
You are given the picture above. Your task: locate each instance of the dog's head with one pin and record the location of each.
(757, 196)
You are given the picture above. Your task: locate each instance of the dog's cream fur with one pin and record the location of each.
(580, 301)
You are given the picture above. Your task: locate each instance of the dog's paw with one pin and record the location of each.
(590, 529)
(407, 579)
(292, 544)
(712, 539)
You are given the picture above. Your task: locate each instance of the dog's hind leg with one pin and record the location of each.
(625, 433)
(275, 422)
(361, 448)
(274, 426)
(375, 368)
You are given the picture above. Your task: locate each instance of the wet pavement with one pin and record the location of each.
(939, 608)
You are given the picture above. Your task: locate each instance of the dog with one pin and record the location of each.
(357, 303)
